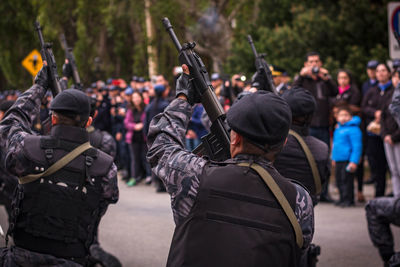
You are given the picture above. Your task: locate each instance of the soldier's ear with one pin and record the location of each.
(235, 138)
(89, 122)
(54, 119)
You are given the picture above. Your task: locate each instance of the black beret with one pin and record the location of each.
(72, 102)
(263, 118)
(6, 105)
(300, 101)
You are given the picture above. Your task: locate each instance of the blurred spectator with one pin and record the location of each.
(350, 96)
(279, 79)
(134, 123)
(390, 133)
(103, 119)
(156, 106)
(196, 130)
(346, 153)
(316, 79)
(372, 105)
(371, 82)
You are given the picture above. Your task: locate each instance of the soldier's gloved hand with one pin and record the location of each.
(184, 87)
(67, 69)
(259, 80)
(42, 78)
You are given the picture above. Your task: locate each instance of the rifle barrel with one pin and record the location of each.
(39, 30)
(170, 30)
(252, 45)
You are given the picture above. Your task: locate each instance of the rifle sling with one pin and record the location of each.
(273, 186)
(311, 161)
(57, 165)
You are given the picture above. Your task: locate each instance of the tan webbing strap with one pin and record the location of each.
(57, 165)
(311, 161)
(273, 186)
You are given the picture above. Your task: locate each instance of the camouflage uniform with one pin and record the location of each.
(180, 169)
(381, 212)
(14, 128)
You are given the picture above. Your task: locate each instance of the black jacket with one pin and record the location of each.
(374, 100)
(322, 91)
(389, 125)
(351, 96)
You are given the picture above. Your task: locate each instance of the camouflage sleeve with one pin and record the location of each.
(394, 107)
(305, 215)
(16, 125)
(381, 212)
(177, 168)
(110, 185)
(108, 145)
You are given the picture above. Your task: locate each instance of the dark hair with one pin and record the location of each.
(396, 70)
(267, 152)
(348, 73)
(312, 53)
(386, 66)
(344, 107)
(69, 119)
(304, 120)
(142, 104)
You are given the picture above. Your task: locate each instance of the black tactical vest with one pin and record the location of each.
(292, 162)
(95, 136)
(236, 221)
(59, 214)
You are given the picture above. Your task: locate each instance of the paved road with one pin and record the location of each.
(139, 229)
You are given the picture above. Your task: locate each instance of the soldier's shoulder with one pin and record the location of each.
(317, 145)
(103, 161)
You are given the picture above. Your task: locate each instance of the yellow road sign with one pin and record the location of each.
(33, 62)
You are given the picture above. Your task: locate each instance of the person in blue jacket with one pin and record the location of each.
(346, 153)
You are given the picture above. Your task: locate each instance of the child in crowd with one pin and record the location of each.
(346, 153)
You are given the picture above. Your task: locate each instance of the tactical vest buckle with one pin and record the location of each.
(16, 211)
(89, 161)
(49, 153)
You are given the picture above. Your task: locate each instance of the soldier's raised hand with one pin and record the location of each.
(42, 78)
(185, 89)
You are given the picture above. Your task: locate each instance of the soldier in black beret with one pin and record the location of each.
(65, 185)
(223, 210)
(304, 158)
(293, 160)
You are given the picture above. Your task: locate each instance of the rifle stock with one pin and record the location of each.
(216, 144)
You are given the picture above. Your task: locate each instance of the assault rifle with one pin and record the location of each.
(71, 59)
(216, 145)
(47, 54)
(262, 67)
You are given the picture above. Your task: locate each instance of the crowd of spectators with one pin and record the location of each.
(355, 123)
